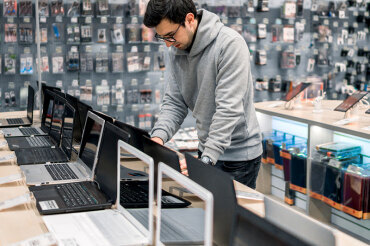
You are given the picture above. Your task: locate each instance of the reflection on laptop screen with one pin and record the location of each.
(69, 114)
(135, 133)
(296, 90)
(31, 95)
(106, 167)
(82, 112)
(49, 112)
(57, 120)
(180, 226)
(89, 146)
(132, 191)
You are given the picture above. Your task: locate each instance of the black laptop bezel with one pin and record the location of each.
(30, 103)
(135, 133)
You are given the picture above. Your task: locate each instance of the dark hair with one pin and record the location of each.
(173, 10)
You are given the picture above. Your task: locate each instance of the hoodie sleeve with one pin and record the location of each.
(173, 111)
(231, 86)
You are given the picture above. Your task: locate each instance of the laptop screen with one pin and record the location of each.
(188, 225)
(30, 102)
(82, 112)
(67, 132)
(57, 120)
(77, 128)
(135, 133)
(106, 167)
(47, 112)
(90, 141)
(131, 190)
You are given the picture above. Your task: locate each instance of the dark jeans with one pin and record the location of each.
(244, 172)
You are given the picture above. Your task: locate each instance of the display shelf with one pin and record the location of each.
(319, 129)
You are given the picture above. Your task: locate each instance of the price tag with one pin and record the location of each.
(266, 21)
(15, 201)
(27, 50)
(10, 20)
(355, 25)
(315, 52)
(291, 21)
(225, 21)
(46, 239)
(75, 83)
(147, 48)
(303, 21)
(74, 20)
(134, 49)
(239, 21)
(104, 20)
(366, 14)
(59, 83)
(315, 35)
(104, 108)
(104, 82)
(10, 178)
(345, 24)
(7, 157)
(88, 48)
(326, 22)
(59, 18)
(134, 82)
(326, 46)
(26, 19)
(88, 82)
(355, 13)
(335, 24)
(119, 83)
(134, 20)
(119, 48)
(119, 20)
(42, 19)
(119, 108)
(88, 20)
(315, 18)
(11, 85)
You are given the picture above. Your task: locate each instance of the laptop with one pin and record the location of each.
(105, 227)
(52, 140)
(103, 116)
(222, 188)
(24, 121)
(82, 169)
(135, 133)
(184, 225)
(299, 224)
(47, 112)
(135, 185)
(251, 229)
(77, 125)
(99, 193)
(56, 154)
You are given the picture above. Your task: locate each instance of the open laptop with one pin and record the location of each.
(58, 153)
(299, 224)
(47, 112)
(135, 133)
(135, 184)
(24, 121)
(82, 169)
(251, 229)
(103, 116)
(222, 188)
(105, 227)
(99, 193)
(52, 140)
(184, 225)
(77, 124)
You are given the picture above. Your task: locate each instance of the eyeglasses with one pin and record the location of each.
(168, 38)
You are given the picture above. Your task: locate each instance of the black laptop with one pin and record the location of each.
(52, 140)
(89, 195)
(135, 133)
(222, 187)
(52, 154)
(24, 121)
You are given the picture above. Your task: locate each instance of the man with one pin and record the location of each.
(209, 73)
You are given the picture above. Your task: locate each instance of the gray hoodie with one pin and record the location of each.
(214, 81)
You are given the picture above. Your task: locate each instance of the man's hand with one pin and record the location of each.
(183, 167)
(157, 140)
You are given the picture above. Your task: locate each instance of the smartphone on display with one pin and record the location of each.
(351, 101)
(367, 111)
(296, 90)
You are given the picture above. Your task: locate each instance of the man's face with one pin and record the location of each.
(183, 34)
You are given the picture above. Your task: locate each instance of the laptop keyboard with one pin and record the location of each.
(28, 131)
(60, 171)
(46, 155)
(75, 194)
(133, 194)
(38, 141)
(15, 121)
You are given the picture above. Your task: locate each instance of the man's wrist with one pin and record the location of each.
(207, 160)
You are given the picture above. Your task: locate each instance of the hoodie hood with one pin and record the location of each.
(208, 29)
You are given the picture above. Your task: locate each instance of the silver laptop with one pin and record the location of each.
(298, 223)
(106, 227)
(80, 170)
(192, 225)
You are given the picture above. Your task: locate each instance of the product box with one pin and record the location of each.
(339, 150)
(298, 172)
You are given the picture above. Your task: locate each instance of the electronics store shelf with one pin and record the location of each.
(324, 119)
